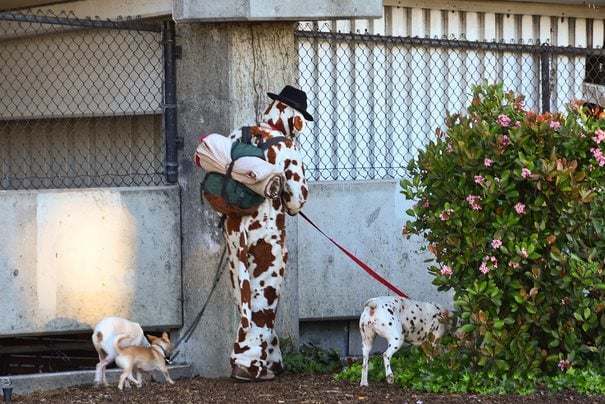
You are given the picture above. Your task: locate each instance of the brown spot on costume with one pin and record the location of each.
(257, 246)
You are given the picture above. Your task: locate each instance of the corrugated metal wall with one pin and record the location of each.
(377, 101)
(479, 26)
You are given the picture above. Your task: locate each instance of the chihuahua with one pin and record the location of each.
(134, 359)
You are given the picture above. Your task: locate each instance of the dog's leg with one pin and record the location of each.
(123, 377)
(100, 377)
(394, 344)
(132, 379)
(138, 375)
(367, 341)
(164, 371)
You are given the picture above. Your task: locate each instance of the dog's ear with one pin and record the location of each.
(165, 336)
(151, 337)
(444, 316)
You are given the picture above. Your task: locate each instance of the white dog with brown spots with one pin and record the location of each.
(399, 320)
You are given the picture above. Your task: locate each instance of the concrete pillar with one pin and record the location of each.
(223, 76)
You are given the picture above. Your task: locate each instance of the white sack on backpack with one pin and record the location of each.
(214, 154)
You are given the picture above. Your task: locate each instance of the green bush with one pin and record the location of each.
(416, 371)
(310, 359)
(511, 203)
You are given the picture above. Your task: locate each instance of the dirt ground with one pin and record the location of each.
(288, 388)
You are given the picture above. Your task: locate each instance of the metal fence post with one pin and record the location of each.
(545, 78)
(170, 127)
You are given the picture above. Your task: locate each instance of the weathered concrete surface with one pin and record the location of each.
(70, 257)
(366, 218)
(239, 10)
(24, 384)
(223, 78)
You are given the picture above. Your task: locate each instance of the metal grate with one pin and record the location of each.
(81, 102)
(377, 99)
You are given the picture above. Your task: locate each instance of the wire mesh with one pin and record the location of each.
(377, 100)
(81, 102)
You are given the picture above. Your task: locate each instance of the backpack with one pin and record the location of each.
(231, 197)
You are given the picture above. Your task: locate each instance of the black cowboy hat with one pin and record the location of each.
(295, 98)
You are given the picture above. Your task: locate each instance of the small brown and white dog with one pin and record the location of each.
(135, 359)
(397, 320)
(103, 338)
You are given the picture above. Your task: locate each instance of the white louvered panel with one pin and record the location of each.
(408, 21)
(436, 24)
(597, 34)
(581, 33)
(418, 27)
(545, 30)
(398, 24)
(379, 26)
(508, 26)
(362, 26)
(472, 27)
(482, 26)
(343, 26)
(489, 27)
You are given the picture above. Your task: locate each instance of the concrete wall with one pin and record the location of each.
(70, 257)
(222, 81)
(366, 218)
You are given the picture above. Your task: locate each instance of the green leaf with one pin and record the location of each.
(466, 328)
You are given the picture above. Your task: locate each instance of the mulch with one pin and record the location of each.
(288, 388)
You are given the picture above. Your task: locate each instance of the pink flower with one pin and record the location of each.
(598, 155)
(505, 141)
(503, 120)
(426, 204)
(445, 214)
(446, 271)
(479, 179)
(484, 269)
(525, 172)
(523, 252)
(496, 243)
(514, 265)
(449, 148)
(555, 125)
(520, 104)
(565, 301)
(473, 201)
(599, 136)
(520, 208)
(517, 124)
(488, 162)
(564, 364)
(493, 260)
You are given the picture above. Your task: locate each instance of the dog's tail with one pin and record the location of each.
(371, 306)
(116, 343)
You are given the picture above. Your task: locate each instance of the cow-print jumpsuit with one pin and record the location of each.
(256, 245)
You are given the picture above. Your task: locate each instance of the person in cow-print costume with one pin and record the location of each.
(256, 243)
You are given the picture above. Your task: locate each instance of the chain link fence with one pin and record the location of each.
(81, 102)
(377, 99)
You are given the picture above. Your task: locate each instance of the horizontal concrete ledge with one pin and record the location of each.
(24, 384)
(272, 10)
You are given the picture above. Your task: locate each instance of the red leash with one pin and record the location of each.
(357, 260)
